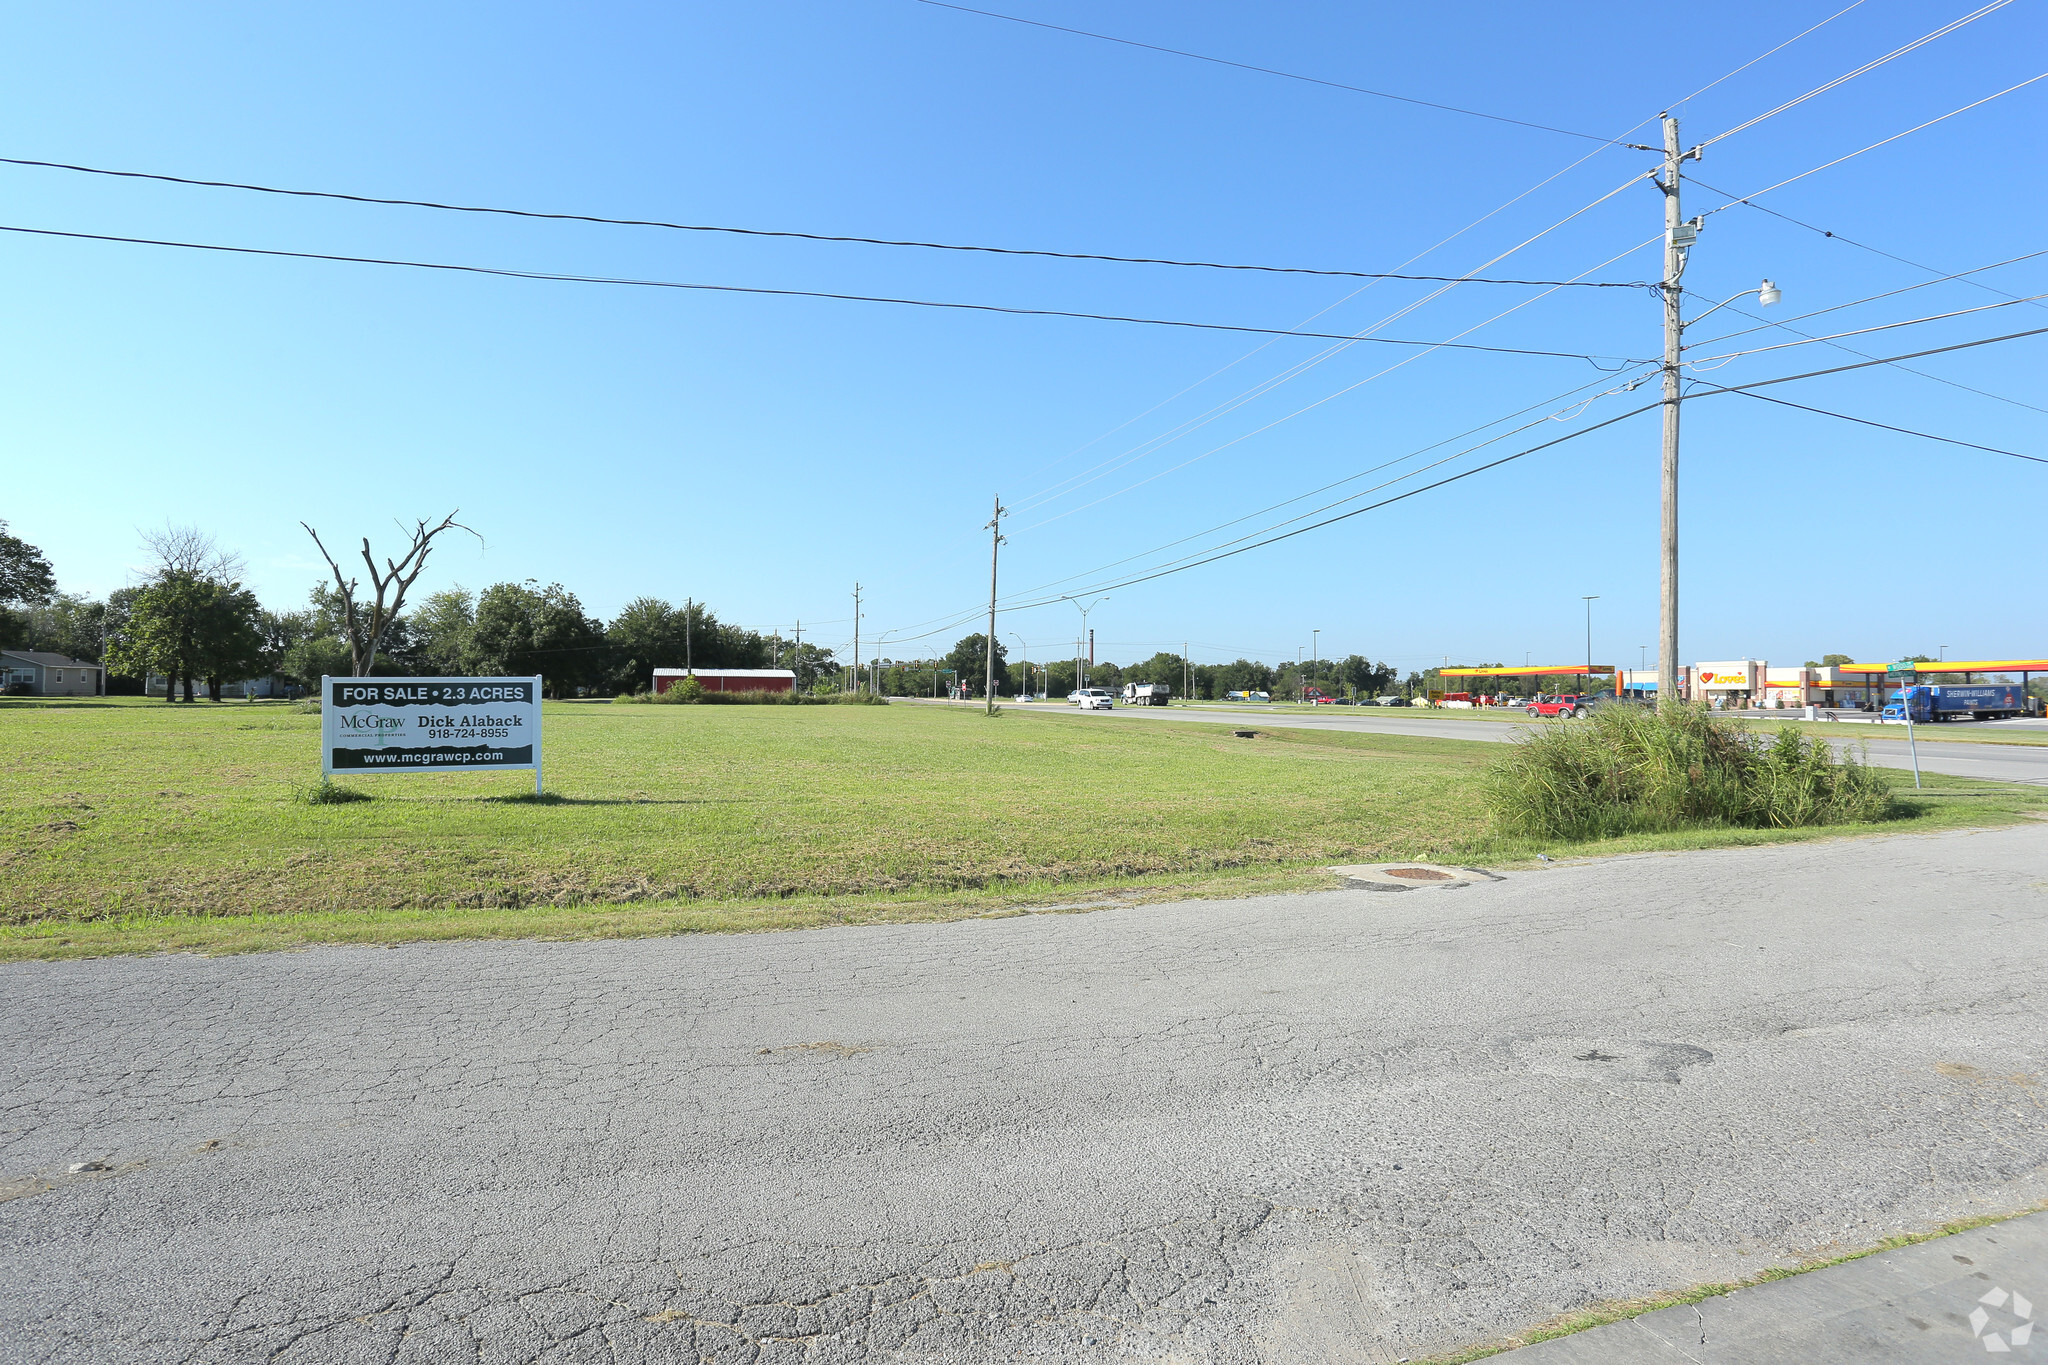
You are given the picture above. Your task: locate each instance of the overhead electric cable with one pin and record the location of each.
(1864, 331)
(1869, 66)
(1570, 436)
(1272, 71)
(1309, 407)
(1766, 323)
(1144, 448)
(798, 236)
(1907, 431)
(786, 293)
(1760, 56)
(1350, 478)
(1907, 369)
(1753, 194)
(1839, 237)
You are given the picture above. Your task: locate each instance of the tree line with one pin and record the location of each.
(191, 621)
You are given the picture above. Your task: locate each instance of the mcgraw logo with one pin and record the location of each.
(371, 722)
(2015, 1304)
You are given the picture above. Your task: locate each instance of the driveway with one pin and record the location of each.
(1348, 1126)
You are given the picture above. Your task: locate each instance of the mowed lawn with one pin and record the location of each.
(128, 807)
(129, 824)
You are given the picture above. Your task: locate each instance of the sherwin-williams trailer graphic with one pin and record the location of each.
(420, 724)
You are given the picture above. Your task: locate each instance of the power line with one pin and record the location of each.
(1272, 71)
(1868, 66)
(1140, 451)
(1765, 323)
(1886, 426)
(1875, 145)
(789, 293)
(1908, 369)
(1839, 237)
(1882, 360)
(1864, 331)
(797, 236)
(1570, 436)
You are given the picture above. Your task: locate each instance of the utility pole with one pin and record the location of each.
(689, 659)
(1315, 653)
(995, 530)
(796, 661)
(856, 637)
(1674, 266)
(1589, 639)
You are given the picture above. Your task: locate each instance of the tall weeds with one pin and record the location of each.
(1632, 770)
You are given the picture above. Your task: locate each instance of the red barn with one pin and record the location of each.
(728, 679)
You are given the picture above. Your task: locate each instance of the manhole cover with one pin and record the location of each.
(1419, 874)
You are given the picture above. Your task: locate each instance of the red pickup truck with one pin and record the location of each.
(1566, 706)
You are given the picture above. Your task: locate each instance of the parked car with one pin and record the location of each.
(1025, 696)
(1564, 706)
(1093, 699)
(1393, 701)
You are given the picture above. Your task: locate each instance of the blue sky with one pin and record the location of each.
(763, 454)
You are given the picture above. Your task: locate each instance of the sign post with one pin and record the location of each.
(1910, 669)
(430, 724)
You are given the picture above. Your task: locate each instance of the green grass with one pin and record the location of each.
(128, 825)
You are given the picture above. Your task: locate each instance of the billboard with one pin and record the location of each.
(370, 725)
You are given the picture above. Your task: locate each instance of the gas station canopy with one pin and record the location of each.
(1959, 666)
(1540, 671)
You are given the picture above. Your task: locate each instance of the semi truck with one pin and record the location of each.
(1146, 694)
(1932, 702)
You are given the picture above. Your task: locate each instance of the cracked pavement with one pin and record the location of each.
(1345, 1126)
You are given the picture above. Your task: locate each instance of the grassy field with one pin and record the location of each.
(128, 825)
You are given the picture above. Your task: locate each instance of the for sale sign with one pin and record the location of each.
(372, 725)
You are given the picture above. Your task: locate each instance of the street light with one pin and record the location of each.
(1080, 669)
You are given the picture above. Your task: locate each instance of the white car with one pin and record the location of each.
(1093, 699)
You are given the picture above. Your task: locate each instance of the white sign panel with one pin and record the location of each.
(371, 725)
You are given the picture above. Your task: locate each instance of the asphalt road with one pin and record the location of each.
(1349, 1126)
(1990, 762)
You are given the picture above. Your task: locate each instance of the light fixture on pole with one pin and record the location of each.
(1080, 669)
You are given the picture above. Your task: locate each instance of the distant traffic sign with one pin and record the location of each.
(1906, 666)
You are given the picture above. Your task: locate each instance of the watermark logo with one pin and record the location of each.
(2003, 1341)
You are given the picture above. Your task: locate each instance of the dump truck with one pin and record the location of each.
(1931, 702)
(1146, 694)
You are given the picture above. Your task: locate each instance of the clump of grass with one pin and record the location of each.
(1632, 770)
(307, 706)
(325, 793)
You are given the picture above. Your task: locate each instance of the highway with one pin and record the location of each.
(1986, 762)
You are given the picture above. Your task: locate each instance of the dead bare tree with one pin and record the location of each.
(192, 552)
(366, 624)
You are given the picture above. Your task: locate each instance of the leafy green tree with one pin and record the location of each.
(970, 657)
(67, 624)
(25, 580)
(1365, 677)
(442, 633)
(190, 628)
(1244, 675)
(524, 630)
